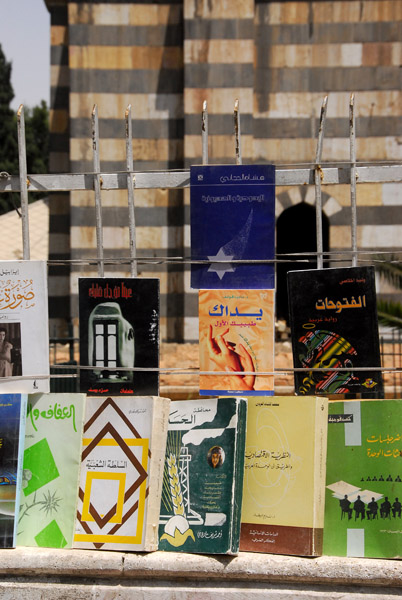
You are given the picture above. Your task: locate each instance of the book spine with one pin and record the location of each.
(160, 421)
(238, 475)
(320, 456)
(21, 447)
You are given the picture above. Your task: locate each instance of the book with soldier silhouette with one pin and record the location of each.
(236, 342)
(333, 321)
(284, 476)
(363, 504)
(203, 476)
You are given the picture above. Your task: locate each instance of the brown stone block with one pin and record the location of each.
(224, 9)
(378, 54)
(124, 14)
(58, 121)
(122, 57)
(58, 35)
(219, 51)
(220, 100)
(280, 13)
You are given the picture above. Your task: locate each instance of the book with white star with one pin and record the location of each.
(232, 226)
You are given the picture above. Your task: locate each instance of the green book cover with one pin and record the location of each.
(364, 479)
(203, 476)
(50, 470)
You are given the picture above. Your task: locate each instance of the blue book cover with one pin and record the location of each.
(232, 219)
(13, 408)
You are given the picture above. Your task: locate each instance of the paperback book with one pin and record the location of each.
(333, 321)
(119, 336)
(232, 219)
(24, 330)
(121, 473)
(236, 337)
(284, 476)
(203, 476)
(52, 451)
(13, 408)
(363, 506)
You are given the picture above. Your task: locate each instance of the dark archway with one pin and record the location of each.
(295, 233)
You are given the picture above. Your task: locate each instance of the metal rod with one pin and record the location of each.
(130, 192)
(22, 159)
(204, 133)
(97, 188)
(352, 135)
(236, 115)
(317, 182)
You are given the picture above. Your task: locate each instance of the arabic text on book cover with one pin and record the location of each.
(24, 331)
(284, 476)
(203, 476)
(363, 503)
(333, 320)
(51, 467)
(236, 335)
(232, 219)
(121, 473)
(119, 332)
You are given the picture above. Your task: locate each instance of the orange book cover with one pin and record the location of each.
(236, 330)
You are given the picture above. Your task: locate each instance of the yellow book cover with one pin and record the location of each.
(284, 476)
(236, 342)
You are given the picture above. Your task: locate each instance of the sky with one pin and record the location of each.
(25, 41)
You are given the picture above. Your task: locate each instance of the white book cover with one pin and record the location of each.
(24, 329)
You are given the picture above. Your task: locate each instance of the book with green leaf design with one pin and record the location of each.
(52, 452)
(203, 476)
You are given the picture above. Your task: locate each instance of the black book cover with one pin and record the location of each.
(333, 321)
(119, 330)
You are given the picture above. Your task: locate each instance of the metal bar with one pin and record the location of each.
(352, 136)
(174, 179)
(236, 116)
(204, 133)
(97, 182)
(130, 192)
(317, 183)
(24, 182)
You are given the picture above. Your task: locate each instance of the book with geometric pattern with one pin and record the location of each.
(48, 496)
(120, 486)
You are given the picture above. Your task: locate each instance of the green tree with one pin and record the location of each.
(390, 311)
(36, 136)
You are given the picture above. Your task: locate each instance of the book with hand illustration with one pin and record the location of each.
(119, 336)
(333, 321)
(236, 335)
(203, 476)
(48, 496)
(232, 219)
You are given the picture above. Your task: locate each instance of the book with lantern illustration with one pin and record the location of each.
(333, 321)
(236, 334)
(232, 219)
(203, 476)
(363, 503)
(122, 460)
(52, 450)
(13, 408)
(119, 336)
(24, 329)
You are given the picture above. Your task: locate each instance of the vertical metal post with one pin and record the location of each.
(236, 115)
(204, 133)
(97, 188)
(22, 159)
(352, 136)
(317, 182)
(130, 192)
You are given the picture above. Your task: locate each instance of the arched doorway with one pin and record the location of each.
(295, 233)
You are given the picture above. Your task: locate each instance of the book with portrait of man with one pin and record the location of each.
(24, 328)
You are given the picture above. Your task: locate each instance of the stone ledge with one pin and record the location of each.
(258, 568)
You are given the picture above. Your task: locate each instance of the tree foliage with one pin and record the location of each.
(390, 311)
(36, 136)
